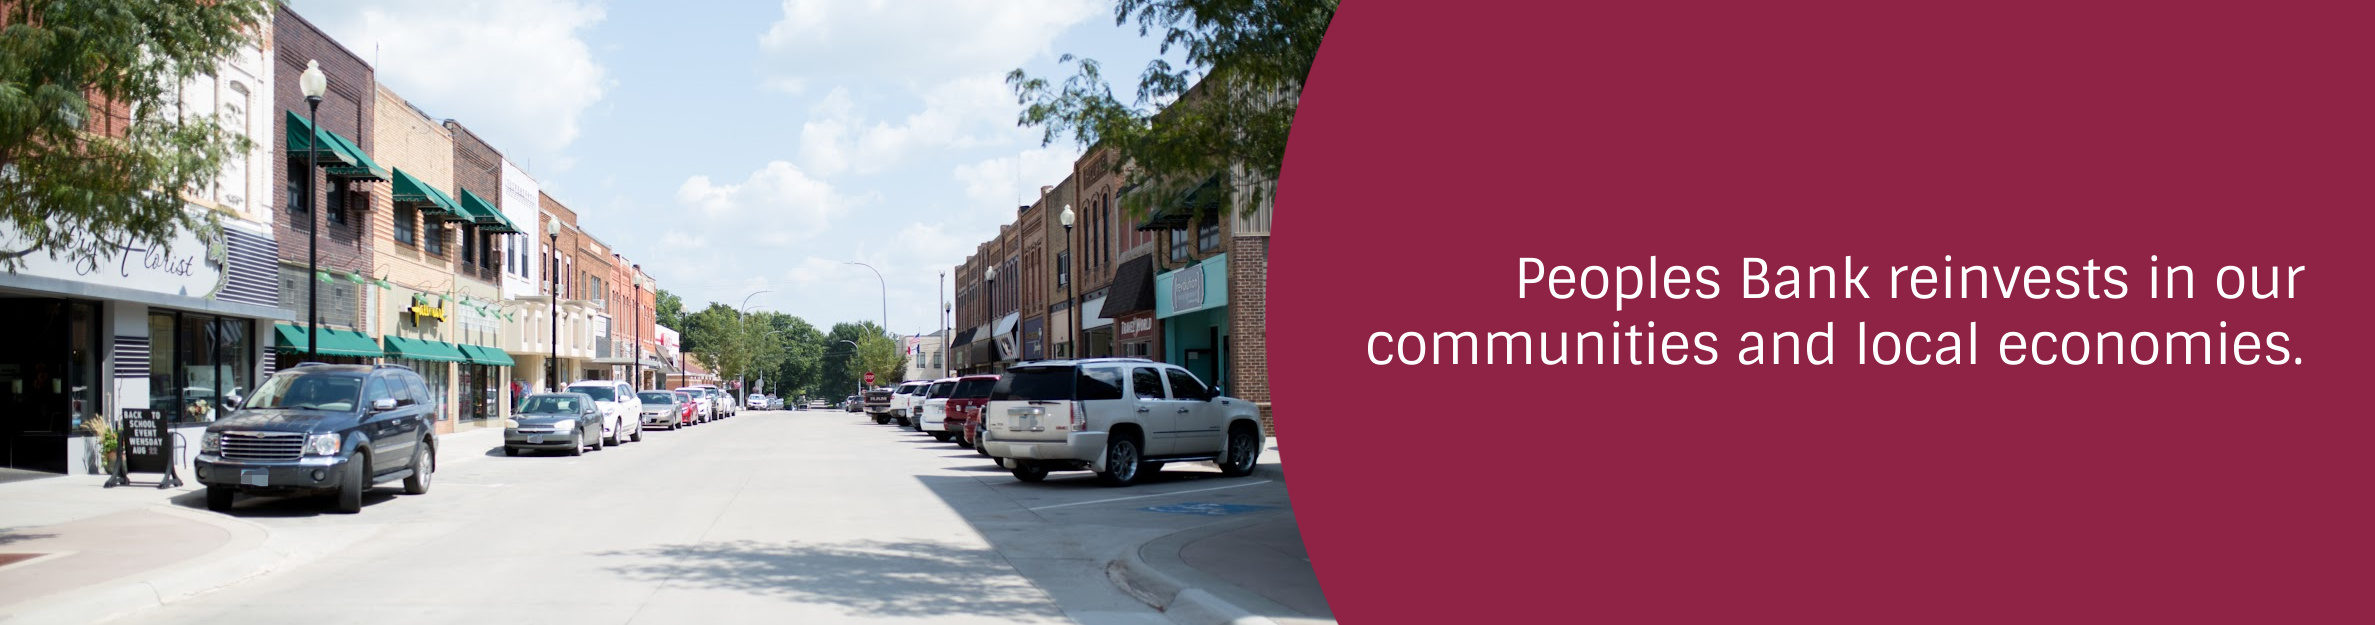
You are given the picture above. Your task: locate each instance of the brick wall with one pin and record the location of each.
(477, 167)
(346, 110)
(1249, 350)
(409, 141)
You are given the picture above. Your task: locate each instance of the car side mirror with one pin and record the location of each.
(383, 404)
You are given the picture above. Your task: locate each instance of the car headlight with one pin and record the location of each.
(321, 445)
(211, 443)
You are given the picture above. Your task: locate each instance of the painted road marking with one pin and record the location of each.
(1205, 509)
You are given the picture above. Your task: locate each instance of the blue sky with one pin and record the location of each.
(734, 147)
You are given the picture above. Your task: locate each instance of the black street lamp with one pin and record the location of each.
(638, 305)
(552, 363)
(1071, 257)
(314, 84)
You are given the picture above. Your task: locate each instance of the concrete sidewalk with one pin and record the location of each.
(1251, 571)
(86, 553)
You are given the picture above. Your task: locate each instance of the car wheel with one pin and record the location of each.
(218, 498)
(962, 441)
(577, 442)
(940, 436)
(1029, 471)
(617, 433)
(423, 464)
(351, 484)
(1121, 462)
(1245, 449)
(639, 431)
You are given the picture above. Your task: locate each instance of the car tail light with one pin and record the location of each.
(1080, 416)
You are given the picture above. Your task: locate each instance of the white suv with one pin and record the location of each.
(622, 410)
(1115, 416)
(907, 402)
(932, 414)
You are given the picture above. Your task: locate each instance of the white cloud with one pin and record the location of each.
(1001, 184)
(779, 200)
(517, 72)
(957, 114)
(928, 41)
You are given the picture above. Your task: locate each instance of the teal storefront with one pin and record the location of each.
(1193, 303)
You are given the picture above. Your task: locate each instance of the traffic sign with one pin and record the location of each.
(869, 378)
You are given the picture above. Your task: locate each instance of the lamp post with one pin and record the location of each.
(552, 363)
(742, 317)
(990, 276)
(1071, 257)
(950, 367)
(886, 293)
(314, 84)
(638, 304)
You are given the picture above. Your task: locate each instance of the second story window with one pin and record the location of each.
(335, 205)
(433, 236)
(1179, 244)
(1208, 233)
(406, 219)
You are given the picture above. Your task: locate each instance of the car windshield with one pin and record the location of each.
(599, 393)
(1035, 383)
(652, 397)
(940, 390)
(976, 388)
(553, 404)
(308, 392)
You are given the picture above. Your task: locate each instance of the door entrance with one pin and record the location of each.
(49, 373)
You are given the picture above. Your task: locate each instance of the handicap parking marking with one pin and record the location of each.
(1206, 509)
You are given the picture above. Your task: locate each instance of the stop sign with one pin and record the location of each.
(869, 378)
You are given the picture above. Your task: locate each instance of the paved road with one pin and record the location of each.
(805, 516)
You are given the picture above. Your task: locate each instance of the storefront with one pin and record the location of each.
(1034, 338)
(1130, 304)
(174, 328)
(1096, 330)
(485, 380)
(435, 361)
(1193, 304)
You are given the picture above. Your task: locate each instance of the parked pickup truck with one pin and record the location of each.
(878, 404)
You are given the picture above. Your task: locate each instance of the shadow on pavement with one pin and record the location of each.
(7, 537)
(909, 578)
(283, 507)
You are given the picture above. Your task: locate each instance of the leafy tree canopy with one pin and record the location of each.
(94, 144)
(1236, 94)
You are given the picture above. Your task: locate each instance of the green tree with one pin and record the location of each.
(76, 182)
(669, 309)
(882, 355)
(804, 348)
(1231, 104)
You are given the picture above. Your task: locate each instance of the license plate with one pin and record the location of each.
(255, 477)
(535, 438)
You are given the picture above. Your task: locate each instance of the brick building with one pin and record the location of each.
(344, 198)
(1033, 273)
(1056, 275)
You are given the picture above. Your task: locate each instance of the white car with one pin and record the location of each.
(756, 402)
(704, 406)
(1118, 417)
(907, 401)
(622, 411)
(932, 416)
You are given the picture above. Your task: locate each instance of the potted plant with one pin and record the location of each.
(107, 440)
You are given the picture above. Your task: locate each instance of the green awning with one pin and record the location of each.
(328, 149)
(420, 349)
(364, 169)
(488, 217)
(335, 342)
(486, 355)
(410, 189)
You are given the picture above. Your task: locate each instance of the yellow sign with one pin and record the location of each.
(429, 311)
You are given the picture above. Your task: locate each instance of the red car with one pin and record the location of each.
(964, 407)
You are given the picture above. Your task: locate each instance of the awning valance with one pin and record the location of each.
(342, 157)
(963, 337)
(407, 188)
(486, 356)
(1206, 197)
(1092, 314)
(486, 215)
(290, 338)
(420, 349)
(1133, 288)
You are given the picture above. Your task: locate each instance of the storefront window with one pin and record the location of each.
(200, 366)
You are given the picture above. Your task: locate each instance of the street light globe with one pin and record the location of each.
(312, 81)
(1066, 216)
(990, 274)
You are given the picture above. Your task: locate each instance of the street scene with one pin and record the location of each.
(384, 312)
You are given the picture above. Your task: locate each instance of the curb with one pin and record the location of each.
(1178, 599)
(253, 551)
